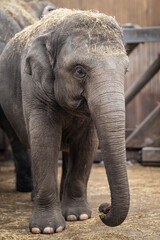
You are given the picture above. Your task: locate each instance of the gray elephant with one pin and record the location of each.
(26, 13)
(42, 7)
(21, 156)
(62, 82)
(10, 26)
(23, 13)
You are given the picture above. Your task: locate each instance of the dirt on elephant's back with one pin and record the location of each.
(143, 221)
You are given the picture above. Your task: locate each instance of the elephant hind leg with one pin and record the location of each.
(21, 157)
(23, 166)
(65, 161)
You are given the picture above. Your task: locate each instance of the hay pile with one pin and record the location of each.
(66, 21)
(20, 11)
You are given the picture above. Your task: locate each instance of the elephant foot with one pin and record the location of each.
(45, 222)
(47, 230)
(82, 217)
(76, 210)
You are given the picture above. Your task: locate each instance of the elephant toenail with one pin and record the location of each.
(35, 230)
(48, 230)
(83, 217)
(59, 229)
(71, 218)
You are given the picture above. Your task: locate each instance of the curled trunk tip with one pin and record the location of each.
(108, 218)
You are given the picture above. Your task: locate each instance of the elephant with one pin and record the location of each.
(41, 8)
(19, 11)
(62, 83)
(24, 17)
(26, 13)
(21, 155)
(10, 26)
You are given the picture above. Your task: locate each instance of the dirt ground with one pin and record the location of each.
(143, 221)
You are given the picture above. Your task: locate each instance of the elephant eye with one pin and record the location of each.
(126, 70)
(79, 72)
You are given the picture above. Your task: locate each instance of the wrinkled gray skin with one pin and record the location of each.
(21, 156)
(56, 92)
(42, 8)
(22, 162)
(8, 28)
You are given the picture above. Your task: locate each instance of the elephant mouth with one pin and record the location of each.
(80, 109)
(83, 107)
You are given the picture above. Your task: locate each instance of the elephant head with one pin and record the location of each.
(83, 63)
(50, 7)
(42, 8)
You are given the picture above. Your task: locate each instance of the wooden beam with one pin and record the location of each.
(141, 34)
(151, 156)
(147, 133)
(130, 47)
(142, 81)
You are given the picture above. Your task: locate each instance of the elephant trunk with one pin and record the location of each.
(107, 107)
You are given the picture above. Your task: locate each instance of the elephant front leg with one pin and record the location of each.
(45, 138)
(74, 199)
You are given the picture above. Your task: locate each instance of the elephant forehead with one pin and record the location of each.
(74, 44)
(64, 22)
(80, 48)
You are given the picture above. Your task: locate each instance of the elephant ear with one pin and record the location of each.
(40, 60)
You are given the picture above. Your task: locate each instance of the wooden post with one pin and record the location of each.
(143, 80)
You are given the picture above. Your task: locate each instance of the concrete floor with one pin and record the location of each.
(143, 221)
